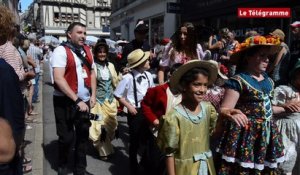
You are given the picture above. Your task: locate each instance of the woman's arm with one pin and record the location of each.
(227, 108)
(7, 144)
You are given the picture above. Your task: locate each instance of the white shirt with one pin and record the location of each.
(126, 89)
(59, 59)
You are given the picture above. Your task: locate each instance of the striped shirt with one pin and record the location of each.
(11, 55)
(36, 54)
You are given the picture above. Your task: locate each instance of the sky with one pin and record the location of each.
(25, 4)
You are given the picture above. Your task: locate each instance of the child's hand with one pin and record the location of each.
(132, 110)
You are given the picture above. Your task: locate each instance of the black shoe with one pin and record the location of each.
(62, 171)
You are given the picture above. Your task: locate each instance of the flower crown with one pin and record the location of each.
(256, 41)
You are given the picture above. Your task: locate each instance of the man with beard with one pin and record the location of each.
(74, 95)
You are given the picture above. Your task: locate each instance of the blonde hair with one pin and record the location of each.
(7, 22)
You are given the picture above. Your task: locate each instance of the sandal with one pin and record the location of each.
(103, 158)
(30, 120)
(26, 160)
(32, 113)
(27, 169)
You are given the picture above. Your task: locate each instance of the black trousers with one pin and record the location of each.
(67, 119)
(137, 139)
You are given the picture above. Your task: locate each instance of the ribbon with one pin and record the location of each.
(203, 168)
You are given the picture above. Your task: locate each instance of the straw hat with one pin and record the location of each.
(223, 76)
(278, 33)
(211, 68)
(255, 41)
(137, 57)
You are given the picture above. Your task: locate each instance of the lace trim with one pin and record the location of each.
(253, 165)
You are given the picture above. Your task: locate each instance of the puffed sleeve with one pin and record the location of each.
(234, 84)
(168, 135)
(281, 94)
(213, 118)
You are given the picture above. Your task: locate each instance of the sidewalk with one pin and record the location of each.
(34, 136)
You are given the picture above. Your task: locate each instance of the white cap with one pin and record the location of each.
(295, 24)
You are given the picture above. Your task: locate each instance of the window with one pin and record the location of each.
(56, 17)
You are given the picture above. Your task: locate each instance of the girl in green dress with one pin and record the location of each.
(185, 130)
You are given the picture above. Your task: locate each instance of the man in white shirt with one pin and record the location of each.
(74, 95)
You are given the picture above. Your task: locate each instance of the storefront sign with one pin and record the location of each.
(173, 7)
(241, 32)
(264, 12)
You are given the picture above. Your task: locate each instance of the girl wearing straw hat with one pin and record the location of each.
(185, 130)
(250, 142)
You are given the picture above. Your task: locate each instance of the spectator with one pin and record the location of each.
(7, 144)
(140, 42)
(278, 68)
(295, 45)
(183, 48)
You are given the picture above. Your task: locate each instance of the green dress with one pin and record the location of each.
(187, 138)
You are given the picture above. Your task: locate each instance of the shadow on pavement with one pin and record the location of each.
(50, 153)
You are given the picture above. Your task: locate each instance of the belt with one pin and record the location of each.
(203, 168)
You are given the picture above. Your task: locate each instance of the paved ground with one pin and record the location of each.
(43, 146)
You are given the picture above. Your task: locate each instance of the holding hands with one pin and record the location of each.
(234, 115)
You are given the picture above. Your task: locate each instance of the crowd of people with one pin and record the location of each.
(216, 107)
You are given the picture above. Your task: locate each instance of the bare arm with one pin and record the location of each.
(131, 109)
(7, 144)
(227, 108)
(60, 81)
(161, 75)
(93, 86)
(170, 162)
(277, 60)
(31, 61)
(278, 109)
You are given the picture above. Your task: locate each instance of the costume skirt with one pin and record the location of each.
(108, 121)
(255, 146)
(290, 130)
